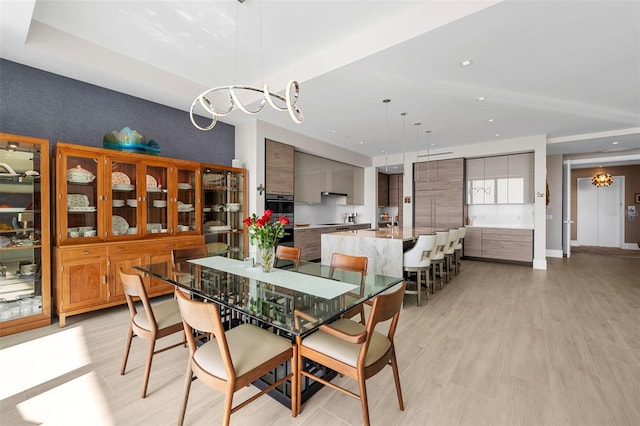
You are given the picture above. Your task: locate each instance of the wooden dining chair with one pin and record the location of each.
(288, 253)
(355, 350)
(185, 253)
(232, 359)
(350, 264)
(151, 323)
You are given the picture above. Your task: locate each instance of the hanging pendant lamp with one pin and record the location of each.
(386, 149)
(602, 179)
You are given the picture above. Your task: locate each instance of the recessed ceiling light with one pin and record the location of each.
(466, 63)
(491, 120)
(361, 142)
(482, 98)
(433, 144)
(332, 131)
(497, 135)
(615, 143)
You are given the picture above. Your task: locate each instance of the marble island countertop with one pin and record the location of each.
(502, 226)
(396, 233)
(327, 225)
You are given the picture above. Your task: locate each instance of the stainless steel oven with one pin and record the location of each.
(282, 205)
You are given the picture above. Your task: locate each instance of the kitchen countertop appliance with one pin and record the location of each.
(282, 205)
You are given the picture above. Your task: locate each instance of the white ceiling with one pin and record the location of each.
(567, 69)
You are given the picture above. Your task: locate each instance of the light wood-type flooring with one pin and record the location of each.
(499, 345)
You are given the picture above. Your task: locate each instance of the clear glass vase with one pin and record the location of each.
(267, 258)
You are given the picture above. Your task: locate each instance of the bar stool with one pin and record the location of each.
(462, 231)
(437, 257)
(417, 260)
(449, 253)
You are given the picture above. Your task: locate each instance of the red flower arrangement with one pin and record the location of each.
(264, 232)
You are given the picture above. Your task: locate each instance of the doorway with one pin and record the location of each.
(600, 213)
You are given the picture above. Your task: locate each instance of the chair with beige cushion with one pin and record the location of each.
(437, 258)
(151, 323)
(232, 359)
(416, 260)
(462, 231)
(355, 350)
(449, 253)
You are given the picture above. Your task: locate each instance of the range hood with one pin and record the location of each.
(333, 194)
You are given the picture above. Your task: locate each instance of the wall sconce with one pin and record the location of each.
(261, 189)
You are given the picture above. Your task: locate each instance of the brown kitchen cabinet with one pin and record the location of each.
(279, 168)
(309, 240)
(383, 190)
(438, 193)
(499, 244)
(25, 255)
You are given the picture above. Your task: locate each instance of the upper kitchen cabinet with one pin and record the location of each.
(279, 167)
(441, 170)
(316, 175)
(25, 272)
(505, 179)
(383, 190)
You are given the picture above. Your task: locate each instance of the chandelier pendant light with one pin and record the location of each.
(602, 179)
(428, 132)
(288, 102)
(404, 131)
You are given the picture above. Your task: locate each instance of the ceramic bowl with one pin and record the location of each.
(80, 175)
(28, 269)
(232, 207)
(91, 233)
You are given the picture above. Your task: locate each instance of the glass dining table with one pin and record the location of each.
(289, 302)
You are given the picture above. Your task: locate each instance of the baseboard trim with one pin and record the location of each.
(555, 253)
(630, 246)
(540, 264)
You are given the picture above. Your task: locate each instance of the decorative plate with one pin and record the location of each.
(77, 200)
(119, 178)
(151, 181)
(119, 225)
(184, 186)
(122, 187)
(87, 209)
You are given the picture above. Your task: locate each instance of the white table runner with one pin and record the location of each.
(316, 286)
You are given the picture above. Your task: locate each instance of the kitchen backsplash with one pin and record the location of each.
(501, 215)
(328, 211)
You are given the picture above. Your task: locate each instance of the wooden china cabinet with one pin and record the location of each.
(25, 271)
(114, 210)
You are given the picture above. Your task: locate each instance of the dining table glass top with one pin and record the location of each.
(296, 302)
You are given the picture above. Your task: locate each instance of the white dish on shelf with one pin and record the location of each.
(88, 209)
(80, 175)
(77, 200)
(159, 203)
(132, 202)
(123, 187)
(151, 181)
(119, 225)
(184, 186)
(154, 189)
(119, 178)
(117, 203)
(133, 230)
(219, 228)
(154, 228)
(206, 209)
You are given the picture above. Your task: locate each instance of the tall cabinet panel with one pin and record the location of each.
(224, 208)
(439, 193)
(25, 283)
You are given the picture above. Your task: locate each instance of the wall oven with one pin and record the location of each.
(282, 205)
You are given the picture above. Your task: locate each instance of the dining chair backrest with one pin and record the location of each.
(462, 231)
(441, 241)
(418, 256)
(133, 288)
(289, 253)
(348, 263)
(186, 253)
(452, 240)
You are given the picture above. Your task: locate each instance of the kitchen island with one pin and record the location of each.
(384, 247)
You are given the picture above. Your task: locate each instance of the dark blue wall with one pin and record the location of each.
(45, 105)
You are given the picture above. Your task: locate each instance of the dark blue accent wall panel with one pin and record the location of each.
(45, 105)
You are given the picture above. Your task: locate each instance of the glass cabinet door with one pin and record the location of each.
(124, 217)
(186, 201)
(156, 200)
(24, 234)
(224, 201)
(81, 194)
